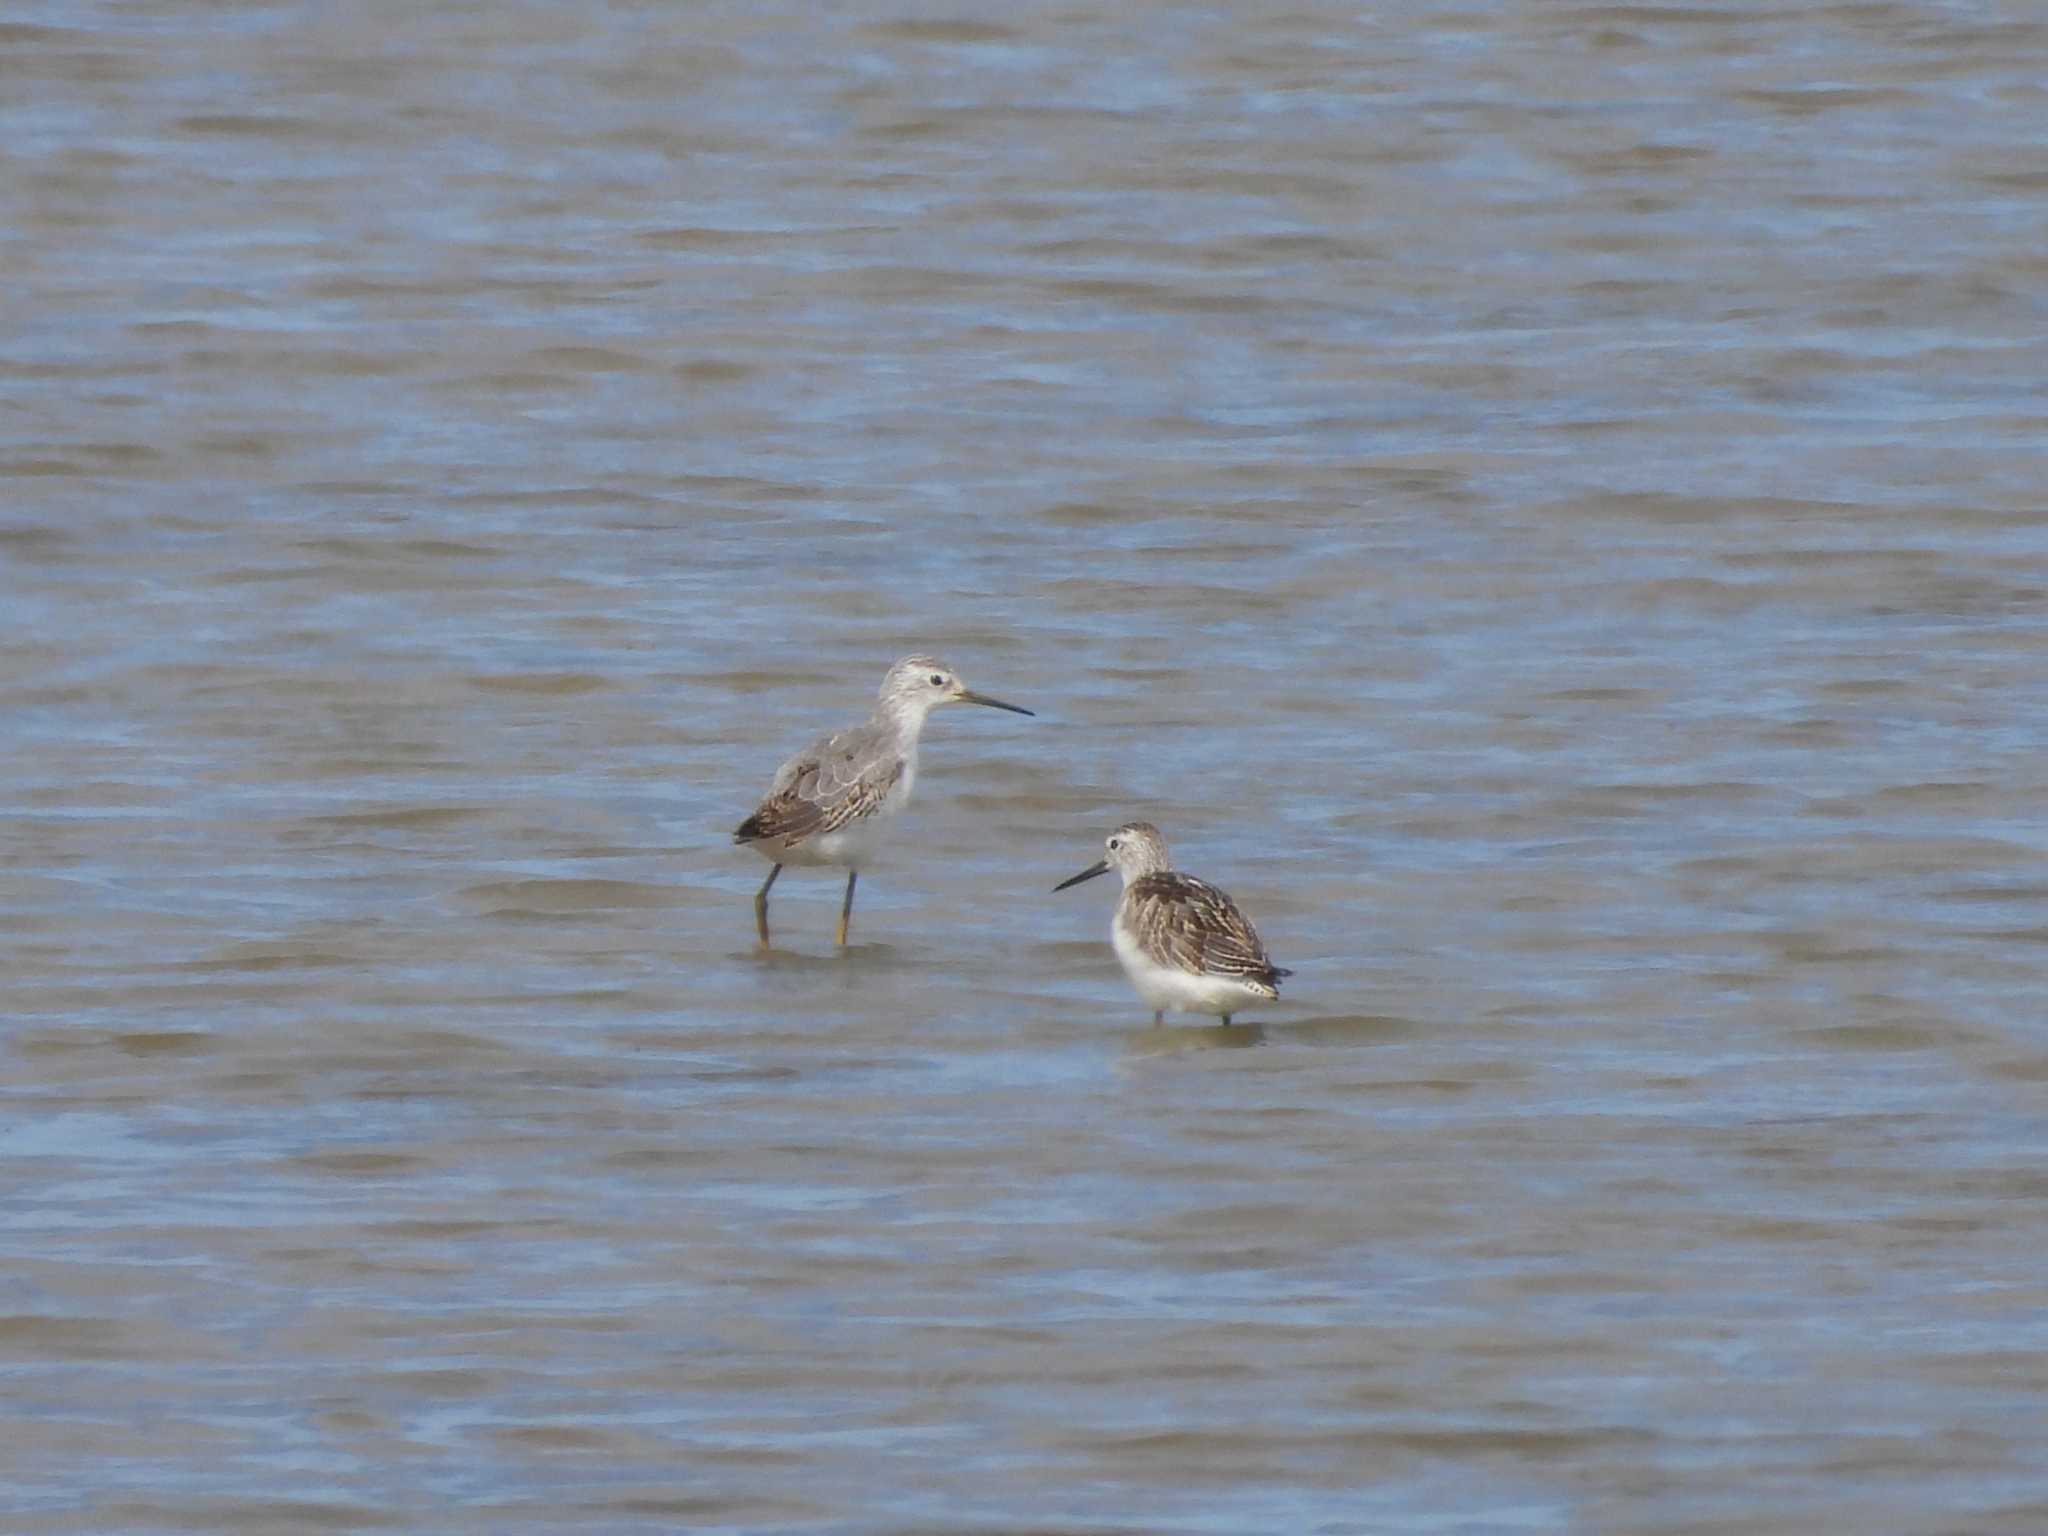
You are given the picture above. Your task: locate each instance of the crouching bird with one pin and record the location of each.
(1184, 944)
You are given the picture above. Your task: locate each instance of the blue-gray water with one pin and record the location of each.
(1542, 502)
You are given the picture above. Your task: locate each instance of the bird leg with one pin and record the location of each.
(1226, 1021)
(761, 904)
(1159, 1018)
(846, 909)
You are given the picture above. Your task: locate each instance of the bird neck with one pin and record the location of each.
(1139, 869)
(904, 717)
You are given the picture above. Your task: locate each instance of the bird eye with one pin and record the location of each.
(938, 681)
(1114, 844)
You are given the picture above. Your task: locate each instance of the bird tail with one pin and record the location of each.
(1278, 971)
(749, 830)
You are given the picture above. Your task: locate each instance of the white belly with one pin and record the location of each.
(848, 848)
(1166, 987)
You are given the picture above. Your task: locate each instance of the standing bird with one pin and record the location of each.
(828, 803)
(1184, 944)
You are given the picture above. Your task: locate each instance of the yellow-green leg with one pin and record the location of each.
(761, 904)
(846, 908)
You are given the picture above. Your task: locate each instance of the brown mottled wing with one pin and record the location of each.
(1189, 924)
(838, 780)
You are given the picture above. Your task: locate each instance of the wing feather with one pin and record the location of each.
(836, 780)
(1191, 925)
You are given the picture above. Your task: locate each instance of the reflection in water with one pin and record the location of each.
(1174, 1039)
(856, 959)
(1356, 1030)
(1546, 497)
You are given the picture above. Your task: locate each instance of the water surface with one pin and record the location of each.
(1541, 502)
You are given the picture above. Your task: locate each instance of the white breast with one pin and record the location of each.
(1165, 986)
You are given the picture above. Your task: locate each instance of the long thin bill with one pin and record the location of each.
(969, 696)
(1087, 874)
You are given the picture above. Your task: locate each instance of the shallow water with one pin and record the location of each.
(1541, 502)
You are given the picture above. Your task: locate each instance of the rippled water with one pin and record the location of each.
(1543, 502)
